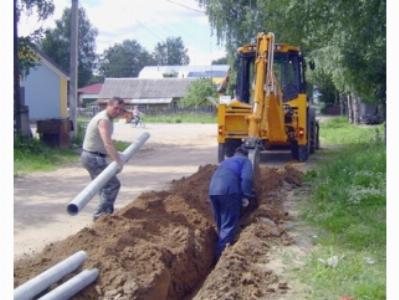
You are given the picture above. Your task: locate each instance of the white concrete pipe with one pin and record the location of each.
(80, 201)
(72, 286)
(38, 284)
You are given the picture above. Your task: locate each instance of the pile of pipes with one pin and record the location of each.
(42, 282)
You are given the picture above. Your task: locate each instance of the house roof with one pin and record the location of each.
(91, 89)
(137, 88)
(45, 59)
(180, 71)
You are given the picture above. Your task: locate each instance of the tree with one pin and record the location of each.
(220, 61)
(124, 60)
(56, 44)
(23, 56)
(198, 92)
(171, 52)
(346, 39)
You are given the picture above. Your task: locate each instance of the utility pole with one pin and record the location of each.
(73, 83)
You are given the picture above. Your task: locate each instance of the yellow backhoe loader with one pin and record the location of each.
(270, 109)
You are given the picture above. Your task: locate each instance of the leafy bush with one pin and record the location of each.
(198, 91)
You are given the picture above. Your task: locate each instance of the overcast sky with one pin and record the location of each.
(147, 21)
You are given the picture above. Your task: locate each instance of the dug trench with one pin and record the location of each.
(161, 246)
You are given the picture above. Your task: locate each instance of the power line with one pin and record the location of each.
(186, 6)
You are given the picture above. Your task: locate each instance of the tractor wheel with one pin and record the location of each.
(303, 153)
(230, 146)
(300, 153)
(227, 149)
(294, 150)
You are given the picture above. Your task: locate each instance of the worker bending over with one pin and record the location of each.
(97, 145)
(231, 186)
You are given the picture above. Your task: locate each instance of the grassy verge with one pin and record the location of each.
(347, 207)
(32, 156)
(181, 118)
(339, 131)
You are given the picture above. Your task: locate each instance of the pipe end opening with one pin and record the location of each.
(72, 209)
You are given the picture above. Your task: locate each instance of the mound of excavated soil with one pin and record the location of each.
(241, 273)
(162, 245)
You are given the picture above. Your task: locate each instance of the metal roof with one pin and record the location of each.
(181, 71)
(137, 88)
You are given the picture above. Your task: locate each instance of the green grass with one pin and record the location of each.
(347, 207)
(339, 131)
(202, 118)
(32, 156)
(120, 145)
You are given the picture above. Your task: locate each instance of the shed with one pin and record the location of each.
(46, 90)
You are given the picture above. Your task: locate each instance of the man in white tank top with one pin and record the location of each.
(97, 145)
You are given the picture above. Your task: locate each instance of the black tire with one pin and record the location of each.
(294, 150)
(300, 153)
(303, 153)
(230, 147)
(227, 149)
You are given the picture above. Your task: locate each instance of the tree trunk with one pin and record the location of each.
(342, 106)
(356, 109)
(350, 108)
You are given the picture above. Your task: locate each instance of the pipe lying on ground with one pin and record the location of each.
(80, 201)
(72, 286)
(38, 284)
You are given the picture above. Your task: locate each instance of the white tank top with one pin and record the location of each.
(92, 140)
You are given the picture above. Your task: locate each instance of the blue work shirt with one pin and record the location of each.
(233, 176)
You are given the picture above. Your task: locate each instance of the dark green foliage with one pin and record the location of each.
(44, 8)
(124, 60)
(220, 61)
(346, 39)
(198, 92)
(171, 52)
(56, 44)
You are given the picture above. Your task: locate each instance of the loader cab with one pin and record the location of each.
(289, 71)
(288, 68)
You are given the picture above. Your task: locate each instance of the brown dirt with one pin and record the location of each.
(161, 245)
(241, 272)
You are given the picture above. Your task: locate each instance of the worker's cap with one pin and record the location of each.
(242, 150)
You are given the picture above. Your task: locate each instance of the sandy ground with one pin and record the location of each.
(40, 199)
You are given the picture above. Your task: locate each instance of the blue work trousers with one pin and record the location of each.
(226, 210)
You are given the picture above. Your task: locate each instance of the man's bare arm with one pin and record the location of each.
(105, 133)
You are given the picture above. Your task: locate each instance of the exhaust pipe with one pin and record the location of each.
(41, 282)
(72, 286)
(80, 201)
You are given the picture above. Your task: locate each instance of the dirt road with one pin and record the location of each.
(173, 151)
